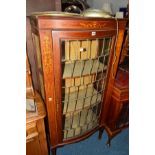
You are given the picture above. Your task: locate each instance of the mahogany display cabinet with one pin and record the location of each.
(76, 59)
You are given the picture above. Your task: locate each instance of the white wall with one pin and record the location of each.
(115, 4)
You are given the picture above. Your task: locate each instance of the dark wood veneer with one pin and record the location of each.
(51, 30)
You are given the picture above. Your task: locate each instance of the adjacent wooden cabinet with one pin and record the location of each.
(36, 143)
(35, 113)
(77, 59)
(118, 115)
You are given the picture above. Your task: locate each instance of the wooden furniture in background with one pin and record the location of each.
(76, 64)
(39, 5)
(58, 5)
(42, 5)
(125, 48)
(29, 86)
(35, 112)
(118, 117)
(31, 54)
(35, 130)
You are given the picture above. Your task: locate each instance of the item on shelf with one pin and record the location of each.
(96, 13)
(124, 10)
(107, 8)
(54, 13)
(74, 6)
(75, 59)
(119, 15)
(30, 105)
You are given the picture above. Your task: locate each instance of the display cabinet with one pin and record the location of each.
(77, 58)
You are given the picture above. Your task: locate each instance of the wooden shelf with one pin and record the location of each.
(81, 99)
(41, 112)
(81, 68)
(36, 143)
(80, 123)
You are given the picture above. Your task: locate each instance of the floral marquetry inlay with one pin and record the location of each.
(93, 25)
(47, 62)
(47, 51)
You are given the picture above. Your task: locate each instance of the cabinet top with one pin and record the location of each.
(73, 16)
(61, 20)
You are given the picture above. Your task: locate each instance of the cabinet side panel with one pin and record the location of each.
(112, 76)
(113, 113)
(33, 147)
(42, 137)
(47, 61)
(31, 54)
(39, 65)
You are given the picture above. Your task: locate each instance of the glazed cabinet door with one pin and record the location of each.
(82, 61)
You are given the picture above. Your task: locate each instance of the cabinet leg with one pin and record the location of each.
(54, 151)
(108, 143)
(100, 133)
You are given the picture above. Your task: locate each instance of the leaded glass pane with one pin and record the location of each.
(84, 68)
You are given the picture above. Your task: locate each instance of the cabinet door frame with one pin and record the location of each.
(57, 36)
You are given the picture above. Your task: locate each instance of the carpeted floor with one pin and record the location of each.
(93, 146)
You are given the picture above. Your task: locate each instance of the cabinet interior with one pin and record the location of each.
(84, 66)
